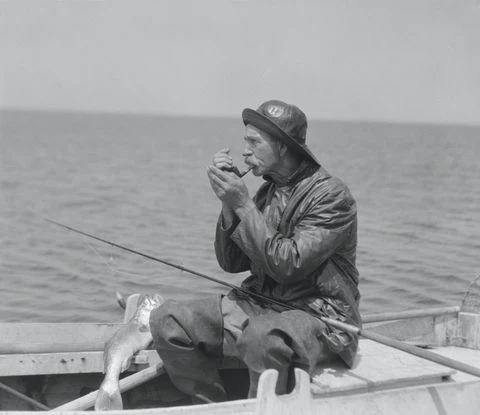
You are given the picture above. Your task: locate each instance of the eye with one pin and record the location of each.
(251, 141)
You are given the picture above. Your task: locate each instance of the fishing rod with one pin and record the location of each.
(180, 267)
(349, 328)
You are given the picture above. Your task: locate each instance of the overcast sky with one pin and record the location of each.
(384, 60)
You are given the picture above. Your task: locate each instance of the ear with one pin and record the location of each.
(282, 149)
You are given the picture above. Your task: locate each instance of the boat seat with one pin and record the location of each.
(377, 367)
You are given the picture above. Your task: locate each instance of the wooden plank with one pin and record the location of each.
(401, 315)
(461, 354)
(54, 337)
(65, 363)
(130, 382)
(433, 400)
(468, 333)
(239, 407)
(299, 401)
(443, 399)
(404, 346)
(421, 352)
(421, 330)
(80, 362)
(448, 399)
(444, 329)
(377, 367)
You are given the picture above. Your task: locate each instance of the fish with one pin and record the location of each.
(121, 347)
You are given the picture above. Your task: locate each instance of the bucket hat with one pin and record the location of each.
(283, 121)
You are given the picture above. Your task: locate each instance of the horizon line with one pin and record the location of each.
(225, 116)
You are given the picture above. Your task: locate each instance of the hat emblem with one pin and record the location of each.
(275, 111)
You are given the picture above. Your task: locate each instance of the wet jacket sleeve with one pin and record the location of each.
(229, 256)
(323, 228)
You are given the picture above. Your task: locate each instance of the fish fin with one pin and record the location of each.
(107, 401)
(121, 300)
(144, 328)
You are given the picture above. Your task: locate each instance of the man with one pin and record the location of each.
(298, 237)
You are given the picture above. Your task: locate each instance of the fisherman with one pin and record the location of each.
(298, 239)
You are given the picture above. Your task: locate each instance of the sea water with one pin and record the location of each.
(141, 181)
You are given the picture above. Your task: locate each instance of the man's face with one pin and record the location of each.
(261, 152)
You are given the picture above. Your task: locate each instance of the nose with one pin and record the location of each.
(247, 151)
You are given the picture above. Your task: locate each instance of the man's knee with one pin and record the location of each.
(262, 346)
(167, 331)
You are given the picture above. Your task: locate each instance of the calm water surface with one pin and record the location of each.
(141, 181)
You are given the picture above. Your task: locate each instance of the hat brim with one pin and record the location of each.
(263, 123)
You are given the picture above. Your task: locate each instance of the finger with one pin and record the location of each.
(221, 162)
(223, 176)
(214, 178)
(222, 153)
(217, 189)
(224, 165)
(222, 156)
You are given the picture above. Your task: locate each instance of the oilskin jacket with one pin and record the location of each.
(300, 245)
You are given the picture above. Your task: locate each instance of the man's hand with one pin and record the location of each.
(230, 189)
(222, 160)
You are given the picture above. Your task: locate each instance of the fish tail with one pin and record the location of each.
(108, 399)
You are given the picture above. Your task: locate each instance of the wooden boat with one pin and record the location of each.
(59, 367)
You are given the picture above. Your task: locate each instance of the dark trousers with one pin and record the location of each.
(191, 337)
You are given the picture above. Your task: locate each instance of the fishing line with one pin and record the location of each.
(114, 273)
(112, 269)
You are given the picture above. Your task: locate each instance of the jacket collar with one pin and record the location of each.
(306, 169)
